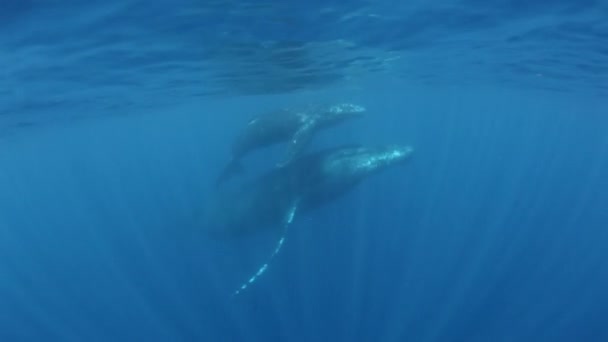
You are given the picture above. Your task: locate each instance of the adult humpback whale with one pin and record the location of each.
(273, 199)
(297, 126)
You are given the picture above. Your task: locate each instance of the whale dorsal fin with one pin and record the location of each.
(288, 219)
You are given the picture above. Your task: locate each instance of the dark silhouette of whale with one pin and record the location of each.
(275, 198)
(294, 125)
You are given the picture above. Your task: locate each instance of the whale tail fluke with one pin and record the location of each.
(234, 167)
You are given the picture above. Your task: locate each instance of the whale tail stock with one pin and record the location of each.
(234, 167)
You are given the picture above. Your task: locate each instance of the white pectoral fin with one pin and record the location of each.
(288, 219)
(299, 141)
(291, 213)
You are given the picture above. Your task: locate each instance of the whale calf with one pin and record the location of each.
(274, 199)
(294, 125)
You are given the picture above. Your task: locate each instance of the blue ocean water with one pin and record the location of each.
(116, 118)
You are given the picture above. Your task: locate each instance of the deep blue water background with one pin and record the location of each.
(115, 121)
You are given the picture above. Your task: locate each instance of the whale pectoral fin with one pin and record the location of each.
(299, 141)
(287, 220)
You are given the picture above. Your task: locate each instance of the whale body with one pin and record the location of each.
(273, 200)
(306, 183)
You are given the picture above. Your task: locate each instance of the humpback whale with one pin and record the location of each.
(294, 125)
(274, 199)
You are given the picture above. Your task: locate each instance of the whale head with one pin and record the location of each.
(358, 162)
(346, 109)
(333, 172)
(340, 112)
